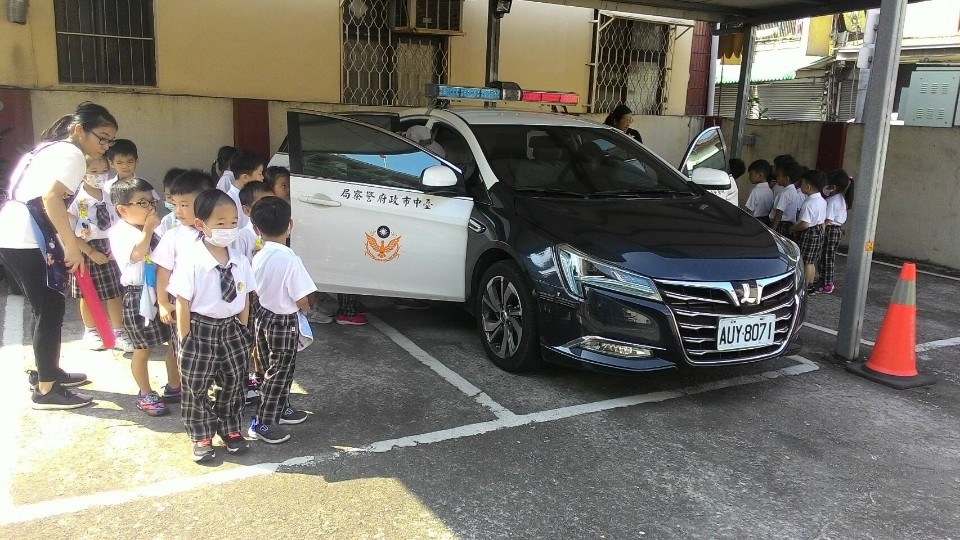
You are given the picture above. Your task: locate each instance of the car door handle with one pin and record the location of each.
(318, 200)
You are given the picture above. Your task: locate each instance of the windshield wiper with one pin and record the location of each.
(551, 191)
(638, 192)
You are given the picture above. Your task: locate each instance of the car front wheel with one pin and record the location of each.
(506, 318)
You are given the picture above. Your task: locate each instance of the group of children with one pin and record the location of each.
(206, 272)
(807, 206)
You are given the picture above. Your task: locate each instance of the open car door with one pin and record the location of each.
(373, 212)
(708, 151)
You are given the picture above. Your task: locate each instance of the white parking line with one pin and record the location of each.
(58, 507)
(446, 373)
(938, 344)
(833, 332)
(11, 354)
(874, 261)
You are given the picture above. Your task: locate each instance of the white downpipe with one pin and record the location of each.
(865, 59)
(712, 79)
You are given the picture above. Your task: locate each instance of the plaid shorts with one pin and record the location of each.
(277, 337)
(811, 244)
(827, 267)
(141, 336)
(106, 277)
(214, 350)
(784, 230)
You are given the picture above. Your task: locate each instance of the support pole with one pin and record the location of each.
(712, 82)
(493, 43)
(877, 112)
(743, 92)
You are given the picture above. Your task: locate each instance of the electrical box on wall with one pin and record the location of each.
(931, 99)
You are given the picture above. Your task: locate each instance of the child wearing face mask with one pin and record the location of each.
(91, 215)
(212, 282)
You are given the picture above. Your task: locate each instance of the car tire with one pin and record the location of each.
(507, 318)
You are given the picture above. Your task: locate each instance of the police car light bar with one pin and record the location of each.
(446, 91)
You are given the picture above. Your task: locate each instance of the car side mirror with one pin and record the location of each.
(713, 179)
(438, 176)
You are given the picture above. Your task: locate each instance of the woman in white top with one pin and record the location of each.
(43, 181)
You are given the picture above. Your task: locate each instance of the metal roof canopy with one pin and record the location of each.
(732, 12)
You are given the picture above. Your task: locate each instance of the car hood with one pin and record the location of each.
(700, 238)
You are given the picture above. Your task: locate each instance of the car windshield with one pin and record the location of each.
(575, 161)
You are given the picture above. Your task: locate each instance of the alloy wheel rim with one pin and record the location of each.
(502, 316)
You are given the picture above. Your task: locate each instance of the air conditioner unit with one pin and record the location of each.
(444, 17)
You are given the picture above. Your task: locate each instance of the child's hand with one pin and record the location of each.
(167, 312)
(98, 258)
(153, 220)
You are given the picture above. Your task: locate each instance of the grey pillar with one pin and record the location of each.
(743, 93)
(877, 112)
(493, 43)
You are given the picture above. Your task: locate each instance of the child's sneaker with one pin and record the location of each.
(152, 404)
(827, 288)
(811, 290)
(319, 316)
(122, 343)
(91, 339)
(354, 320)
(170, 395)
(289, 415)
(203, 451)
(235, 443)
(268, 434)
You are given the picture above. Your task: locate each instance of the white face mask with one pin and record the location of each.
(221, 237)
(169, 206)
(95, 180)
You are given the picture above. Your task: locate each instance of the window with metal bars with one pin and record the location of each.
(631, 61)
(106, 42)
(384, 67)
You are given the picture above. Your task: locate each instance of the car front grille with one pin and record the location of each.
(698, 307)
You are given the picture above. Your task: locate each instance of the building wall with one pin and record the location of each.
(169, 131)
(933, 18)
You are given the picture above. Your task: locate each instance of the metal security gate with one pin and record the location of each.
(632, 60)
(382, 66)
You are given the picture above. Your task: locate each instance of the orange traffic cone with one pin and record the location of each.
(893, 361)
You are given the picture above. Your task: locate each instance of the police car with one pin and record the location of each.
(567, 240)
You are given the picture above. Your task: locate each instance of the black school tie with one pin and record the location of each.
(228, 288)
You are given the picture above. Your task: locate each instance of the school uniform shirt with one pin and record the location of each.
(197, 280)
(836, 210)
(83, 212)
(168, 222)
(242, 219)
(60, 162)
(248, 242)
(760, 201)
(813, 211)
(226, 181)
(172, 243)
(788, 202)
(123, 238)
(281, 277)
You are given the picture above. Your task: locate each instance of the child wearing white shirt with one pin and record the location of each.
(787, 202)
(91, 216)
(133, 241)
(285, 287)
(838, 186)
(212, 282)
(760, 201)
(809, 226)
(245, 167)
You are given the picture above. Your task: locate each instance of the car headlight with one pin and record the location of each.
(580, 271)
(790, 249)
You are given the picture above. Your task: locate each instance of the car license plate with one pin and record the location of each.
(736, 333)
